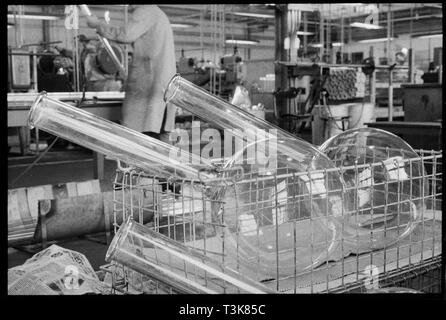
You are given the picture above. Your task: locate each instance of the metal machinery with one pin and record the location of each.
(229, 74)
(302, 75)
(55, 68)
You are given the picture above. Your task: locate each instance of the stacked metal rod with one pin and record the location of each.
(345, 83)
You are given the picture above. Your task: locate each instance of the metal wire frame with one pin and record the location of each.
(185, 216)
(424, 277)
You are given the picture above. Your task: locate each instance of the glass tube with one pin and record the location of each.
(295, 225)
(386, 180)
(157, 256)
(105, 43)
(224, 115)
(115, 141)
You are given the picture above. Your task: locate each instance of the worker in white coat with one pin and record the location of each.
(150, 71)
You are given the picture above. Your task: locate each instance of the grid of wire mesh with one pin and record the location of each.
(189, 213)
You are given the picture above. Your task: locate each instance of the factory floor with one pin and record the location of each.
(58, 166)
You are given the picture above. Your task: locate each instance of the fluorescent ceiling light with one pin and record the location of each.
(427, 36)
(375, 40)
(182, 25)
(253, 15)
(304, 33)
(365, 25)
(242, 42)
(33, 16)
(318, 45)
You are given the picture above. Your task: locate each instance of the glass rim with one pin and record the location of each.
(33, 109)
(171, 91)
(118, 239)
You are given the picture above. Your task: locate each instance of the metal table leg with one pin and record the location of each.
(98, 160)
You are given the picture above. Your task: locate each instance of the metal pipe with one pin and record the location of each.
(305, 37)
(389, 56)
(321, 36)
(334, 65)
(35, 71)
(32, 54)
(342, 39)
(77, 63)
(68, 217)
(29, 97)
(126, 47)
(372, 81)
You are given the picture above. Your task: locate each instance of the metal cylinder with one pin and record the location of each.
(66, 216)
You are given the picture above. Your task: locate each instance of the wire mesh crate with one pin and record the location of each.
(185, 211)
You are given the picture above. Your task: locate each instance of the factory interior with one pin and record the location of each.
(225, 148)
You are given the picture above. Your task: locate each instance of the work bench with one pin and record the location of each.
(419, 135)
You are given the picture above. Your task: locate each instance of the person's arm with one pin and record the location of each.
(140, 23)
(65, 52)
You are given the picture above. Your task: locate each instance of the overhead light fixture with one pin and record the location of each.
(241, 41)
(10, 25)
(253, 15)
(427, 36)
(319, 45)
(365, 25)
(304, 33)
(375, 40)
(33, 16)
(182, 25)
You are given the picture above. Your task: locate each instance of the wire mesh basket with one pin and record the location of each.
(184, 212)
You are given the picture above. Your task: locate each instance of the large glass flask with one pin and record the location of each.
(386, 180)
(279, 216)
(284, 217)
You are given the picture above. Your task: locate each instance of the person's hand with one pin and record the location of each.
(92, 21)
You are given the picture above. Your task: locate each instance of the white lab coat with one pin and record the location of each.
(152, 67)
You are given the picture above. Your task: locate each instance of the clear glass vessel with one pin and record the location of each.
(282, 218)
(386, 180)
(157, 256)
(115, 141)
